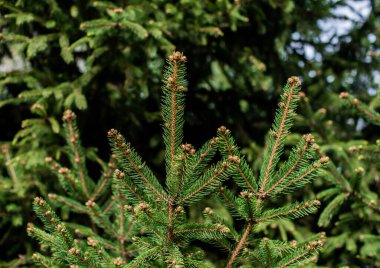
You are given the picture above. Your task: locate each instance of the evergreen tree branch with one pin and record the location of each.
(8, 163)
(68, 117)
(365, 201)
(43, 236)
(121, 225)
(242, 168)
(187, 150)
(142, 258)
(196, 230)
(129, 231)
(195, 191)
(66, 179)
(240, 245)
(173, 142)
(172, 109)
(345, 185)
(101, 219)
(278, 132)
(306, 172)
(268, 252)
(311, 248)
(42, 260)
(369, 113)
(229, 199)
(292, 211)
(197, 161)
(170, 223)
(68, 202)
(104, 181)
(120, 176)
(109, 206)
(99, 251)
(210, 213)
(51, 221)
(134, 166)
(308, 139)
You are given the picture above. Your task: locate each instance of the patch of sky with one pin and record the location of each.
(346, 16)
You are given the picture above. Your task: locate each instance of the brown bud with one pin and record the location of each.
(222, 129)
(52, 196)
(68, 115)
(63, 170)
(170, 80)
(359, 170)
(325, 159)
(244, 193)
(177, 55)
(343, 95)
(111, 132)
(90, 203)
(208, 210)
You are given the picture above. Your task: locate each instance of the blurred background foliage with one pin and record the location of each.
(104, 60)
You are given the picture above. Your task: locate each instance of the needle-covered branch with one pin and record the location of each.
(279, 131)
(134, 167)
(152, 222)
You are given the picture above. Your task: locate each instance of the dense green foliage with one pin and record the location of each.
(104, 60)
(145, 224)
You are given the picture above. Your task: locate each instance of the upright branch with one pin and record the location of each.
(73, 137)
(293, 173)
(173, 110)
(11, 169)
(134, 167)
(240, 244)
(280, 128)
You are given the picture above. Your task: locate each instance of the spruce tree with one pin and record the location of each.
(146, 222)
(350, 202)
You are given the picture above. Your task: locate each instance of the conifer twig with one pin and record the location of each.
(311, 246)
(68, 116)
(308, 139)
(224, 131)
(240, 245)
(313, 168)
(229, 201)
(120, 175)
(127, 153)
(294, 81)
(110, 205)
(8, 163)
(371, 114)
(349, 190)
(217, 173)
(64, 201)
(106, 177)
(108, 226)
